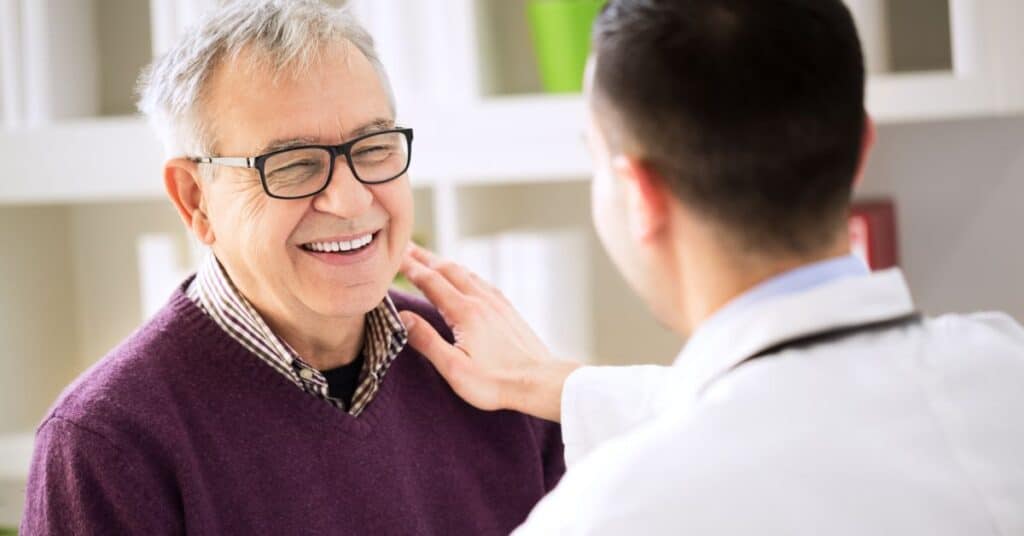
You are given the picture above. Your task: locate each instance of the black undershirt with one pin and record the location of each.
(343, 381)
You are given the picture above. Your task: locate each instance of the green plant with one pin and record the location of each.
(561, 40)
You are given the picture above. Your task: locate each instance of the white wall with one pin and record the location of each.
(37, 328)
(104, 240)
(959, 188)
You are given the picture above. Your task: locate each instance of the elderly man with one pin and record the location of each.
(275, 393)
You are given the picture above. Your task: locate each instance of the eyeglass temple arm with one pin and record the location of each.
(231, 161)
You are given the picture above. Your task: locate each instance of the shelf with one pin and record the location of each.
(483, 120)
(898, 37)
(507, 58)
(506, 140)
(502, 140)
(81, 160)
(904, 98)
(919, 35)
(72, 59)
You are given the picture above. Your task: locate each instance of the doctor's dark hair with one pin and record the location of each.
(751, 110)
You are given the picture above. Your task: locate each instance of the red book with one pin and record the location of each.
(873, 233)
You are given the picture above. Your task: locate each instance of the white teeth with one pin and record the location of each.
(341, 245)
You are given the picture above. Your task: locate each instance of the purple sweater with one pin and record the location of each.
(181, 430)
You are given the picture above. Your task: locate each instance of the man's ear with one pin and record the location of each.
(646, 197)
(867, 143)
(185, 189)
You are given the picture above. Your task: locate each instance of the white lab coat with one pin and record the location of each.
(916, 429)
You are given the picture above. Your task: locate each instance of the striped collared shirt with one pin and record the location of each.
(214, 293)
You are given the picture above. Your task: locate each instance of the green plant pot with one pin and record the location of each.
(561, 38)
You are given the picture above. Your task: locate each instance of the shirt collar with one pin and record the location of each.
(214, 292)
(791, 282)
(823, 296)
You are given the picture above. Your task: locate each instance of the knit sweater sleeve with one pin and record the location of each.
(552, 451)
(82, 483)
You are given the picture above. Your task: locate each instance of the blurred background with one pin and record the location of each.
(89, 247)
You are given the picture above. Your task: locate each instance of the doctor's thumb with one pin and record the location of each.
(427, 341)
(409, 320)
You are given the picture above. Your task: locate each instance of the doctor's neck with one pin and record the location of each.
(713, 270)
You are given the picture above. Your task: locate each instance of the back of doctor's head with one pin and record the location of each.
(752, 110)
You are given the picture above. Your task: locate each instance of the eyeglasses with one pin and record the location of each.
(305, 171)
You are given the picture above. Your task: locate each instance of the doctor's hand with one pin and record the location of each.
(497, 362)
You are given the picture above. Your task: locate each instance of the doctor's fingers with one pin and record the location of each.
(472, 285)
(465, 279)
(457, 307)
(436, 287)
(459, 276)
(454, 364)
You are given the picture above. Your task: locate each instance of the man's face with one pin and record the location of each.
(608, 204)
(263, 242)
(614, 215)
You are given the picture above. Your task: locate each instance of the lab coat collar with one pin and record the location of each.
(843, 303)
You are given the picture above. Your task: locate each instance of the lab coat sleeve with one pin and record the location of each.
(602, 403)
(629, 485)
(679, 475)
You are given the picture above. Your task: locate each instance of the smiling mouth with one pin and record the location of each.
(342, 247)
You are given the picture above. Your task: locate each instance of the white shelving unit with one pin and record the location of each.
(493, 154)
(972, 70)
(472, 121)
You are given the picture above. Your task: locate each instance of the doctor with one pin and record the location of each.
(812, 397)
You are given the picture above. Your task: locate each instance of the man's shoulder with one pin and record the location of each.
(990, 330)
(545, 430)
(877, 380)
(137, 376)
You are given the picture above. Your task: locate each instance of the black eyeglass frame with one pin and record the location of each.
(345, 149)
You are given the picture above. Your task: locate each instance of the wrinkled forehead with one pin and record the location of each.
(250, 103)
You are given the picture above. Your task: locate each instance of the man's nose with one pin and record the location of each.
(345, 196)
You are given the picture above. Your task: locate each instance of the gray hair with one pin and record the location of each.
(286, 36)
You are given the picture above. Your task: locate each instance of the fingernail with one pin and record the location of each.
(408, 320)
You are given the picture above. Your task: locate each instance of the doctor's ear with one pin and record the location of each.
(647, 197)
(867, 143)
(184, 186)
